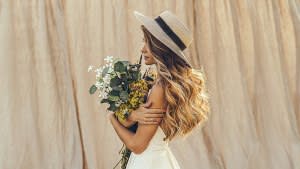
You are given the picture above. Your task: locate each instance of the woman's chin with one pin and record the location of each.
(148, 63)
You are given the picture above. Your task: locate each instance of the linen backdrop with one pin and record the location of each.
(249, 49)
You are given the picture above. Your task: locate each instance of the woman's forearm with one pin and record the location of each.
(131, 120)
(124, 134)
(127, 122)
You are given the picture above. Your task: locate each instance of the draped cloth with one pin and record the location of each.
(250, 51)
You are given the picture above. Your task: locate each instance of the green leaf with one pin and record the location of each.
(105, 101)
(130, 81)
(113, 98)
(117, 88)
(112, 107)
(104, 72)
(93, 89)
(135, 76)
(101, 80)
(114, 93)
(123, 76)
(124, 96)
(119, 67)
(134, 68)
(125, 63)
(115, 81)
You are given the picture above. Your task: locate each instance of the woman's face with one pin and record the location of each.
(148, 56)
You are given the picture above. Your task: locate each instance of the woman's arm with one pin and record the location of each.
(144, 115)
(147, 115)
(138, 142)
(127, 122)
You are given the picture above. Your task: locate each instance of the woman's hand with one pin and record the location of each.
(110, 116)
(145, 115)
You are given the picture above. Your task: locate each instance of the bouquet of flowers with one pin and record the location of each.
(124, 88)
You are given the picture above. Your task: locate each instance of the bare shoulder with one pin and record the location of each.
(157, 90)
(156, 96)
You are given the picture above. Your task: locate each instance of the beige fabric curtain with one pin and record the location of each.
(250, 51)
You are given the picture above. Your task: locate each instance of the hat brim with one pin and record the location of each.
(153, 27)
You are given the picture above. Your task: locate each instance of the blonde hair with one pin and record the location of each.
(184, 89)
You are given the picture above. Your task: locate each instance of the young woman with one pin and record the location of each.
(179, 89)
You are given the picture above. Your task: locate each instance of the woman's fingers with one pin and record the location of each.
(154, 120)
(156, 111)
(150, 122)
(109, 115)
(147, 105)
(149, 115)
(159, 115)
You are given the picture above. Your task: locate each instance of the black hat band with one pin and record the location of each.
(170, 33)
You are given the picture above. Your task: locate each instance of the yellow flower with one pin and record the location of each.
(136, 97)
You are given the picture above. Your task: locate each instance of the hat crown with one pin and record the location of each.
(184, 34)
(169, 30)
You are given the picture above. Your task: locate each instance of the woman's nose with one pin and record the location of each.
(143, 50)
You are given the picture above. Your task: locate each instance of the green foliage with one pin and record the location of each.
(120, 66)
(105, 70)
(113, 98)
(105, 101)
(115, 81)
(124, 96)
(112, 107)
(93, 89)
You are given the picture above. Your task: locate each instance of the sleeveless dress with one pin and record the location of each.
(156, 156)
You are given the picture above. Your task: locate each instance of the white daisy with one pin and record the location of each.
(103, 94)
(98, 76)
(109, 59)
(90, 68)
(110, 70)
(106, 79)
(99, 85)
(99, 72)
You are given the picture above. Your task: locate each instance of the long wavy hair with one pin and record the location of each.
(184, 89)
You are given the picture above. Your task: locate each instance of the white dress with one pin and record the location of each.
(156, 156)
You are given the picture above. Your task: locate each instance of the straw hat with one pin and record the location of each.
(168, 29)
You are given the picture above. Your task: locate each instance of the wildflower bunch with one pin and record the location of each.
(122, 86)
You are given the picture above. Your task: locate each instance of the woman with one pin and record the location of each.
(179, 89)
